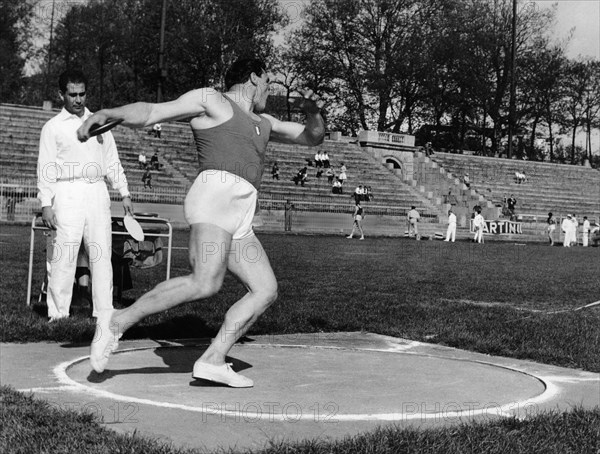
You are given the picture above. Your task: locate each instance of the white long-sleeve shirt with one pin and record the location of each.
(586, 226)
(64, 158)
(479, 221)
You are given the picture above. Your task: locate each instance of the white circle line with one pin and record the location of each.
(505, 410)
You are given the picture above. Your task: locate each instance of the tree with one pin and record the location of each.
(365, 51)
(488, 37)
(118, 49)
(541, 89)
(15, 46)
(580, 102)
(591, 102)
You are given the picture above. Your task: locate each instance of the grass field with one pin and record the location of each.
(503, 299)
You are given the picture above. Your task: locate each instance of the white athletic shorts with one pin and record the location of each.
(223, 199)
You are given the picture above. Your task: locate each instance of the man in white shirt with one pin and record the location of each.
(318, 160)
(567, 228)
(586, 232)
(451, 232)
(413, 219)
(574, 228)
(142, 160)
(75, 199)
(478, 224)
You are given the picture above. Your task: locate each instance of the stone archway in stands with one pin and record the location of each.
(394, 164)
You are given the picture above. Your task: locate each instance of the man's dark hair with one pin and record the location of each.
(240, 71)
(73, 76)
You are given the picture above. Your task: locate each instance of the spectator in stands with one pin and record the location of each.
(154, 161)
(428, 149)
(322, 156)
(551, 228)
(337, 187)
(451, 232)
(301, 176)
(147, 178)
(358, 194)
(330, 175)
(342, 175)
(368, 196)
(358, 217)
(157, 128)
(467, 181)
(413, 223)
(325, 160)
(478, 225)
(511, 202)
(520, 177)
(75, 200)
(586, 232)
(275, 171)
(142, 160)
(318, 160)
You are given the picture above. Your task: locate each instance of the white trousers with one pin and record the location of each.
(451, 233)
(82, 211)
(478, 235)
(569, 238)
(413, 227)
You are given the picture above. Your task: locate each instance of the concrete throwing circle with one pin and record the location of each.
(312, 383)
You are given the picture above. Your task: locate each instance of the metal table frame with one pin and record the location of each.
(143, 220)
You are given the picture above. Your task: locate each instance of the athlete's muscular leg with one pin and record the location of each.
(208, 251)
(249, 262)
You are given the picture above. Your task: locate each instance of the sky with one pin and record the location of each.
(584, 17)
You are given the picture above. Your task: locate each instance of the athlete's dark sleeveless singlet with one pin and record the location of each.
(237, 146)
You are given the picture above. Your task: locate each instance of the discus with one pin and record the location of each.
(97, 129)
(133, 227)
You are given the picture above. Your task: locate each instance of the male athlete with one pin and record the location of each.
(231, 139)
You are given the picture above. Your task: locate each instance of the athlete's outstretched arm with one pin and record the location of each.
(311, 134)
(142, 114)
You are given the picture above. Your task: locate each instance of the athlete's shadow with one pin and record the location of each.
(177, 359)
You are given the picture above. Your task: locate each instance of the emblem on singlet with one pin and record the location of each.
(257, 129)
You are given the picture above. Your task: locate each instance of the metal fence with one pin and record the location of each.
(19, 201)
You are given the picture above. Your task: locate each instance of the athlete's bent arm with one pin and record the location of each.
(310, 134)
(142, 114)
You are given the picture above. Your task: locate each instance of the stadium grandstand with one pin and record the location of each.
(400, 177)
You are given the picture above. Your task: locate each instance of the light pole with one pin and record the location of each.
(162, 72)
(511, 112)
(47, 88)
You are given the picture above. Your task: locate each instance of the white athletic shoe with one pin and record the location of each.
(221, 374)
(349, 237)
(105, 341)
